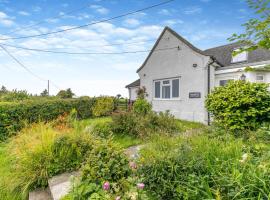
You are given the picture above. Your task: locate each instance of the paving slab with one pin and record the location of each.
(133, 151)
(60, 185)
(40, 194)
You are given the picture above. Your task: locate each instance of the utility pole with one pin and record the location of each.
(48, 87)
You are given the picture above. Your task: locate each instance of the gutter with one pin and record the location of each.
(209, 85)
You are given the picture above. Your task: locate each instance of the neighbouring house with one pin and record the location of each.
(178, 76)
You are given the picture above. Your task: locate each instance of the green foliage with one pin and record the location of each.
(65, 94)
(141, 92)
(103, 106)
(142, 126)
(44, 93)
(200, 167)
(14, 95)
(106, 162)
(240, 105)
(141, 107)
(14, 116)
(258, 69)
(41, 152)
(257, 30)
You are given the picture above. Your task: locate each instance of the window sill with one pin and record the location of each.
(174, 99)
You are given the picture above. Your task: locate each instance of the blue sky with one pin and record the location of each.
(205, 23)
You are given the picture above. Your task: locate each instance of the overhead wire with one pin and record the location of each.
(23, 66)
(87, 53)
(90, 24)
(27, 27)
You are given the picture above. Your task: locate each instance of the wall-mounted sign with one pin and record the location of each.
(193, 95)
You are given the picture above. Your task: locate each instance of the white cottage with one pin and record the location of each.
(178, 76)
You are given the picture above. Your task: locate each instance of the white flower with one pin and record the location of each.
(244, 158)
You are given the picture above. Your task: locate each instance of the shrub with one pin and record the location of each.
(105, 163)
(14, 116)
(143, 126)
(103, 106)
(142, 107)
(240, 105)
(41, 152)
(199, 167)
(15, 95)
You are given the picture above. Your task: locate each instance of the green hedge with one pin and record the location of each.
(14, 115)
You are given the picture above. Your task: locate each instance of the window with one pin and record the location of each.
(239, 57)
(157, 89)
(224, 82)
(259, 78)
(167, 89)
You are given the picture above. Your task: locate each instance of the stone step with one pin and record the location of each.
(40, 194)
(60, 185)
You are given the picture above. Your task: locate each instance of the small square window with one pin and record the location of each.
(240, 57)
(260, 78)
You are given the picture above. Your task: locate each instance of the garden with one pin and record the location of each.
(179, 160)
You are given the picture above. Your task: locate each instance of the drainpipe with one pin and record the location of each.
(209, 85)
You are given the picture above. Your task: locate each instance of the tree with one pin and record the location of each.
(64, 94)
(44, 93)
(3, 90)
(118, 96)
(257, 33)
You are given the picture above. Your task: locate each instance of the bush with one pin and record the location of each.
(41, 152)
(106, 163)
(142, 107)
(130, 123)
(240, 105)
(103, 106)
(199, 167)
(14, 116)
(15, 95)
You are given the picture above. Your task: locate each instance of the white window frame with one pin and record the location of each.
(236, 59)
(171, 90)
(263, 78)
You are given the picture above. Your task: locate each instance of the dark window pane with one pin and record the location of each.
(175, 88)
(166, 92)
(157, 89)
(224, 82)
(166, 82)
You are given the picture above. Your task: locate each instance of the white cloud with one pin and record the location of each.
(36, 8)
(5, 20)
(172, 22)
(131, 22)
(24, 13)
(164, 12)
(100, 9)
(193, 10)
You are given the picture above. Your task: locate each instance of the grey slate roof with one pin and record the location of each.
(134, 84)
(223, 54)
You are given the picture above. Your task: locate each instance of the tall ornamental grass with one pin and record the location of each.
(199, 167)
(40, 152)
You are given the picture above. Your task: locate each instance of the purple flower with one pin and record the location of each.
(118, 198)
(106, 186)
(140, 185)
(133, 165)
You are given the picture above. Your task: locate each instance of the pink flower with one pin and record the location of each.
(118, 198)
(140, 185)
(106, 186)
(133, 165)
